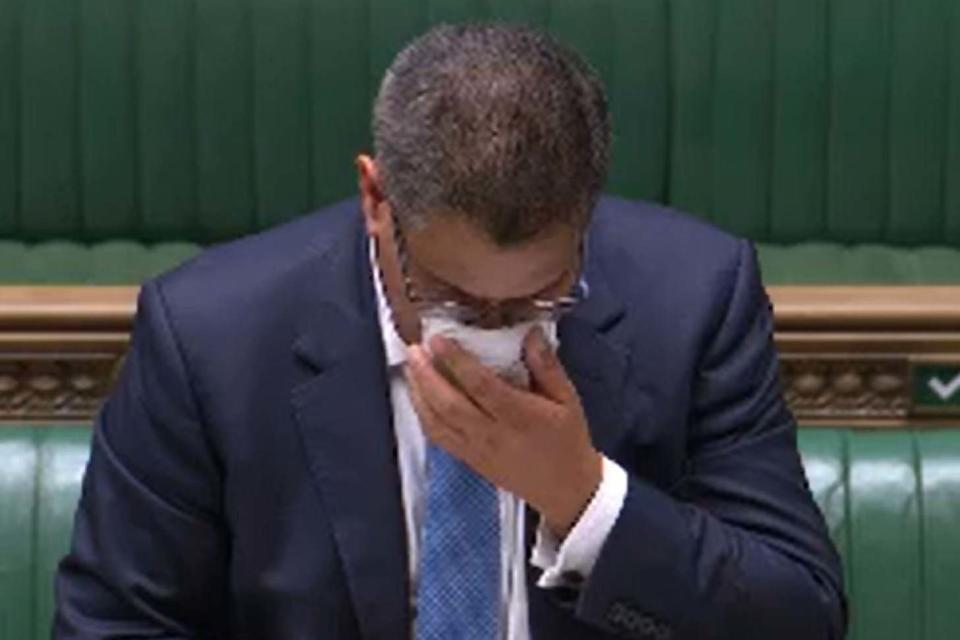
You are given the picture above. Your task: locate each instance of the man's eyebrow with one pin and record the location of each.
(460, 292)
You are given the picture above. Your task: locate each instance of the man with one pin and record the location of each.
(356, 425)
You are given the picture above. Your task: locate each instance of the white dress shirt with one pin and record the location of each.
(579, 550)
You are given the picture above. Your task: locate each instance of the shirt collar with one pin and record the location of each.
(394, 347)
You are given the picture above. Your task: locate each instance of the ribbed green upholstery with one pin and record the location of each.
(127, 262)
(194, 121)
(40, 472)
(891, 499)
(102, 263)
(824, 263)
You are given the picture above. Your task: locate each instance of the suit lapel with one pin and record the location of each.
(343, 412)
(595, 362)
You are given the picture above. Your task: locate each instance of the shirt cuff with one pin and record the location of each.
(570, 563)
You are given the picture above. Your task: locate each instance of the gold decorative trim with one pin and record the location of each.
(828, 386)
(60, 348)
(54, 386)
(846, 352)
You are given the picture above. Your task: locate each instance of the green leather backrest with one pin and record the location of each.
(41, 468)
(197, 120)
(891, 499)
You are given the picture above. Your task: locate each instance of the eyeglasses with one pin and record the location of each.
(485, 313)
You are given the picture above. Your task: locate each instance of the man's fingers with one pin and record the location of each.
(446, 400)
(434, 427)
(546, 371)
(484, 387)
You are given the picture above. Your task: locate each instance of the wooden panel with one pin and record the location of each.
(866, 308)
(95, 309)
(849, 355)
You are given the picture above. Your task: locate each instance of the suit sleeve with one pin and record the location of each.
(147, 559)
(738, 549)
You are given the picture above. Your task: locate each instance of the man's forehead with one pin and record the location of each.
(453, 250)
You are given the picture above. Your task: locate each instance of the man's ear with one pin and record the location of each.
(373, 203)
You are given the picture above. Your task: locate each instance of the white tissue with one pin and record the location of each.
(498, 349)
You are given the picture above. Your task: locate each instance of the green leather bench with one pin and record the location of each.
(132, 133)
(892, 501)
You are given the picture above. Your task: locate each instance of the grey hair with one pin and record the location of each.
(499, 123)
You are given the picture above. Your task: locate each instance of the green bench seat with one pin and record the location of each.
(891, 500)
(126, 262)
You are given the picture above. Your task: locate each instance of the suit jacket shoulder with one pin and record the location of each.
(673, 272)
(260, 268)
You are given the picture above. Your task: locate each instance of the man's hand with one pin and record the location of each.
(535, 443)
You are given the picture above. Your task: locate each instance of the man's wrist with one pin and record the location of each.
(570, 562)
(573, 500)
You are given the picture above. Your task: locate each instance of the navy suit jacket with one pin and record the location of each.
(243, 478)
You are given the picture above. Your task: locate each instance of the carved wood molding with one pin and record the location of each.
(854, 355)
(849, 355)
(60, 348)
(828, 386)
(54, 386)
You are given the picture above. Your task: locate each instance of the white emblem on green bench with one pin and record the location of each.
(945, 391)
(936, 387)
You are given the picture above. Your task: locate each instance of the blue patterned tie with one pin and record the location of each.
(459, 591)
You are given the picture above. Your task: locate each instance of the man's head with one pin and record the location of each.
(491, 146)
